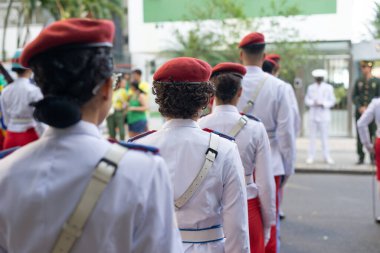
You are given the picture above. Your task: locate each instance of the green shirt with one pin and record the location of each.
(134, 116)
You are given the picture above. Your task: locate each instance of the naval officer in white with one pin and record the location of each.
(320, 99)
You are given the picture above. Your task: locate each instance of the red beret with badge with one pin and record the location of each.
(76, 32)
(183, 70)
(229, 67)
(252, 39)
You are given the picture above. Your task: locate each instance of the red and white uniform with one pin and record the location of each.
(221, 198)
(372, 113)
(18, 113)
(273, 107)
(254, 149)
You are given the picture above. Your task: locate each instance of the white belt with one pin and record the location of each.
(204, 235)
(21, 120)
(248, 179)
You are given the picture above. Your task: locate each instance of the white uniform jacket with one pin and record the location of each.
(41, 183)
(254, 149)
(15, 105)
(221, 199)
(371, 113)
(322, 94)
(274, 108)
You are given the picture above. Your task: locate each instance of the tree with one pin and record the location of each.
(375, 24)
(216, 41)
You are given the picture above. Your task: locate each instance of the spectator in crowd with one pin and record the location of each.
(115, 121)
(136, 114)
(366, 88)
(137, 77)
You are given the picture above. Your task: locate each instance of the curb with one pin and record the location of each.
(334, 171)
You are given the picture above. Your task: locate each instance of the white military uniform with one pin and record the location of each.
(254, 149)
(371, 113)
(319, 116)
(15, 104)
(273, 107)
(221, 199)
(42, 182)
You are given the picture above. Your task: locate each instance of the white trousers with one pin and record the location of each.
(322, 127)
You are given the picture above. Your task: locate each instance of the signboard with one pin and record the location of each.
(179, 10)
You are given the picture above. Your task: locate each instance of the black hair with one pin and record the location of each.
(254, 49)
(182, 100)
(135, 85)
(268, 67)
(137, 71)
(67, 79)
(227, 85)
(19, 71)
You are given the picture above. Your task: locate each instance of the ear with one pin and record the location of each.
(241, 55)
(106, 89)
(264, 55)
(239, 92)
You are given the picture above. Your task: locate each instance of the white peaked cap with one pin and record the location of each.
(319, 73)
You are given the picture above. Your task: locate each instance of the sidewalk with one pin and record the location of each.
(342, 150)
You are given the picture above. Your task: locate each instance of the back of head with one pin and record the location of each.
(227, 80)
(268, 67)
(69, 67)
(181, 93)
(253, 46)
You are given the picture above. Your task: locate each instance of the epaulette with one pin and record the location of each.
(219, 133)
(141, 135)
(6, 152)
(251, 117)
(140, 147)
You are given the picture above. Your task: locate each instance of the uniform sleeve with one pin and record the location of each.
(296, 113)
(330, 98)
(234, 203)
(308, 98)
(157, 230)
(285, 132)
(4, 113)
(265, 180)
(362, 125)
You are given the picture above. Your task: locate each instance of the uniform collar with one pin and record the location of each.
(226, 108)
(180, 123)
(253, 69)
(82, 127)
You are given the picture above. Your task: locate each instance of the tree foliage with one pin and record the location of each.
(375, 28)
(216, 40)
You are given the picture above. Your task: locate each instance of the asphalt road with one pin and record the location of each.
(329, 214)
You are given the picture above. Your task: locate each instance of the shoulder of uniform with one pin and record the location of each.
(219, 133)
(141, 135)
(6, 152)
(139, 147)
(251, 117)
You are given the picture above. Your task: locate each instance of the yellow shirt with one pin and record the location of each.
(119, 99)
(144, 86)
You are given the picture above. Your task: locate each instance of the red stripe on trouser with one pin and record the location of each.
(13, 139)
(377, 157)
(1, 140)
(256, 231)
(272, 244)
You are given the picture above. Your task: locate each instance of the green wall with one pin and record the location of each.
(176, 10)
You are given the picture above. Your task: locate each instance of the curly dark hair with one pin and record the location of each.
(182, 100)
(227, 85)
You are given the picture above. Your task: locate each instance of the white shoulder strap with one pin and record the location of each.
(239, 126)
(211, 154)
(104, 171)
(251, 102)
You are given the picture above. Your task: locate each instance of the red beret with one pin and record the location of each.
(229, 67)
(252, 39)
(274, 57)
(183, 70)
(76, 31)
(271, 61)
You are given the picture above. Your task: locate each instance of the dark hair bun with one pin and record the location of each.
(59, 112)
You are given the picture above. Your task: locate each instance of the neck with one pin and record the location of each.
(233, 102)
(368, 76)
(90, 114)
